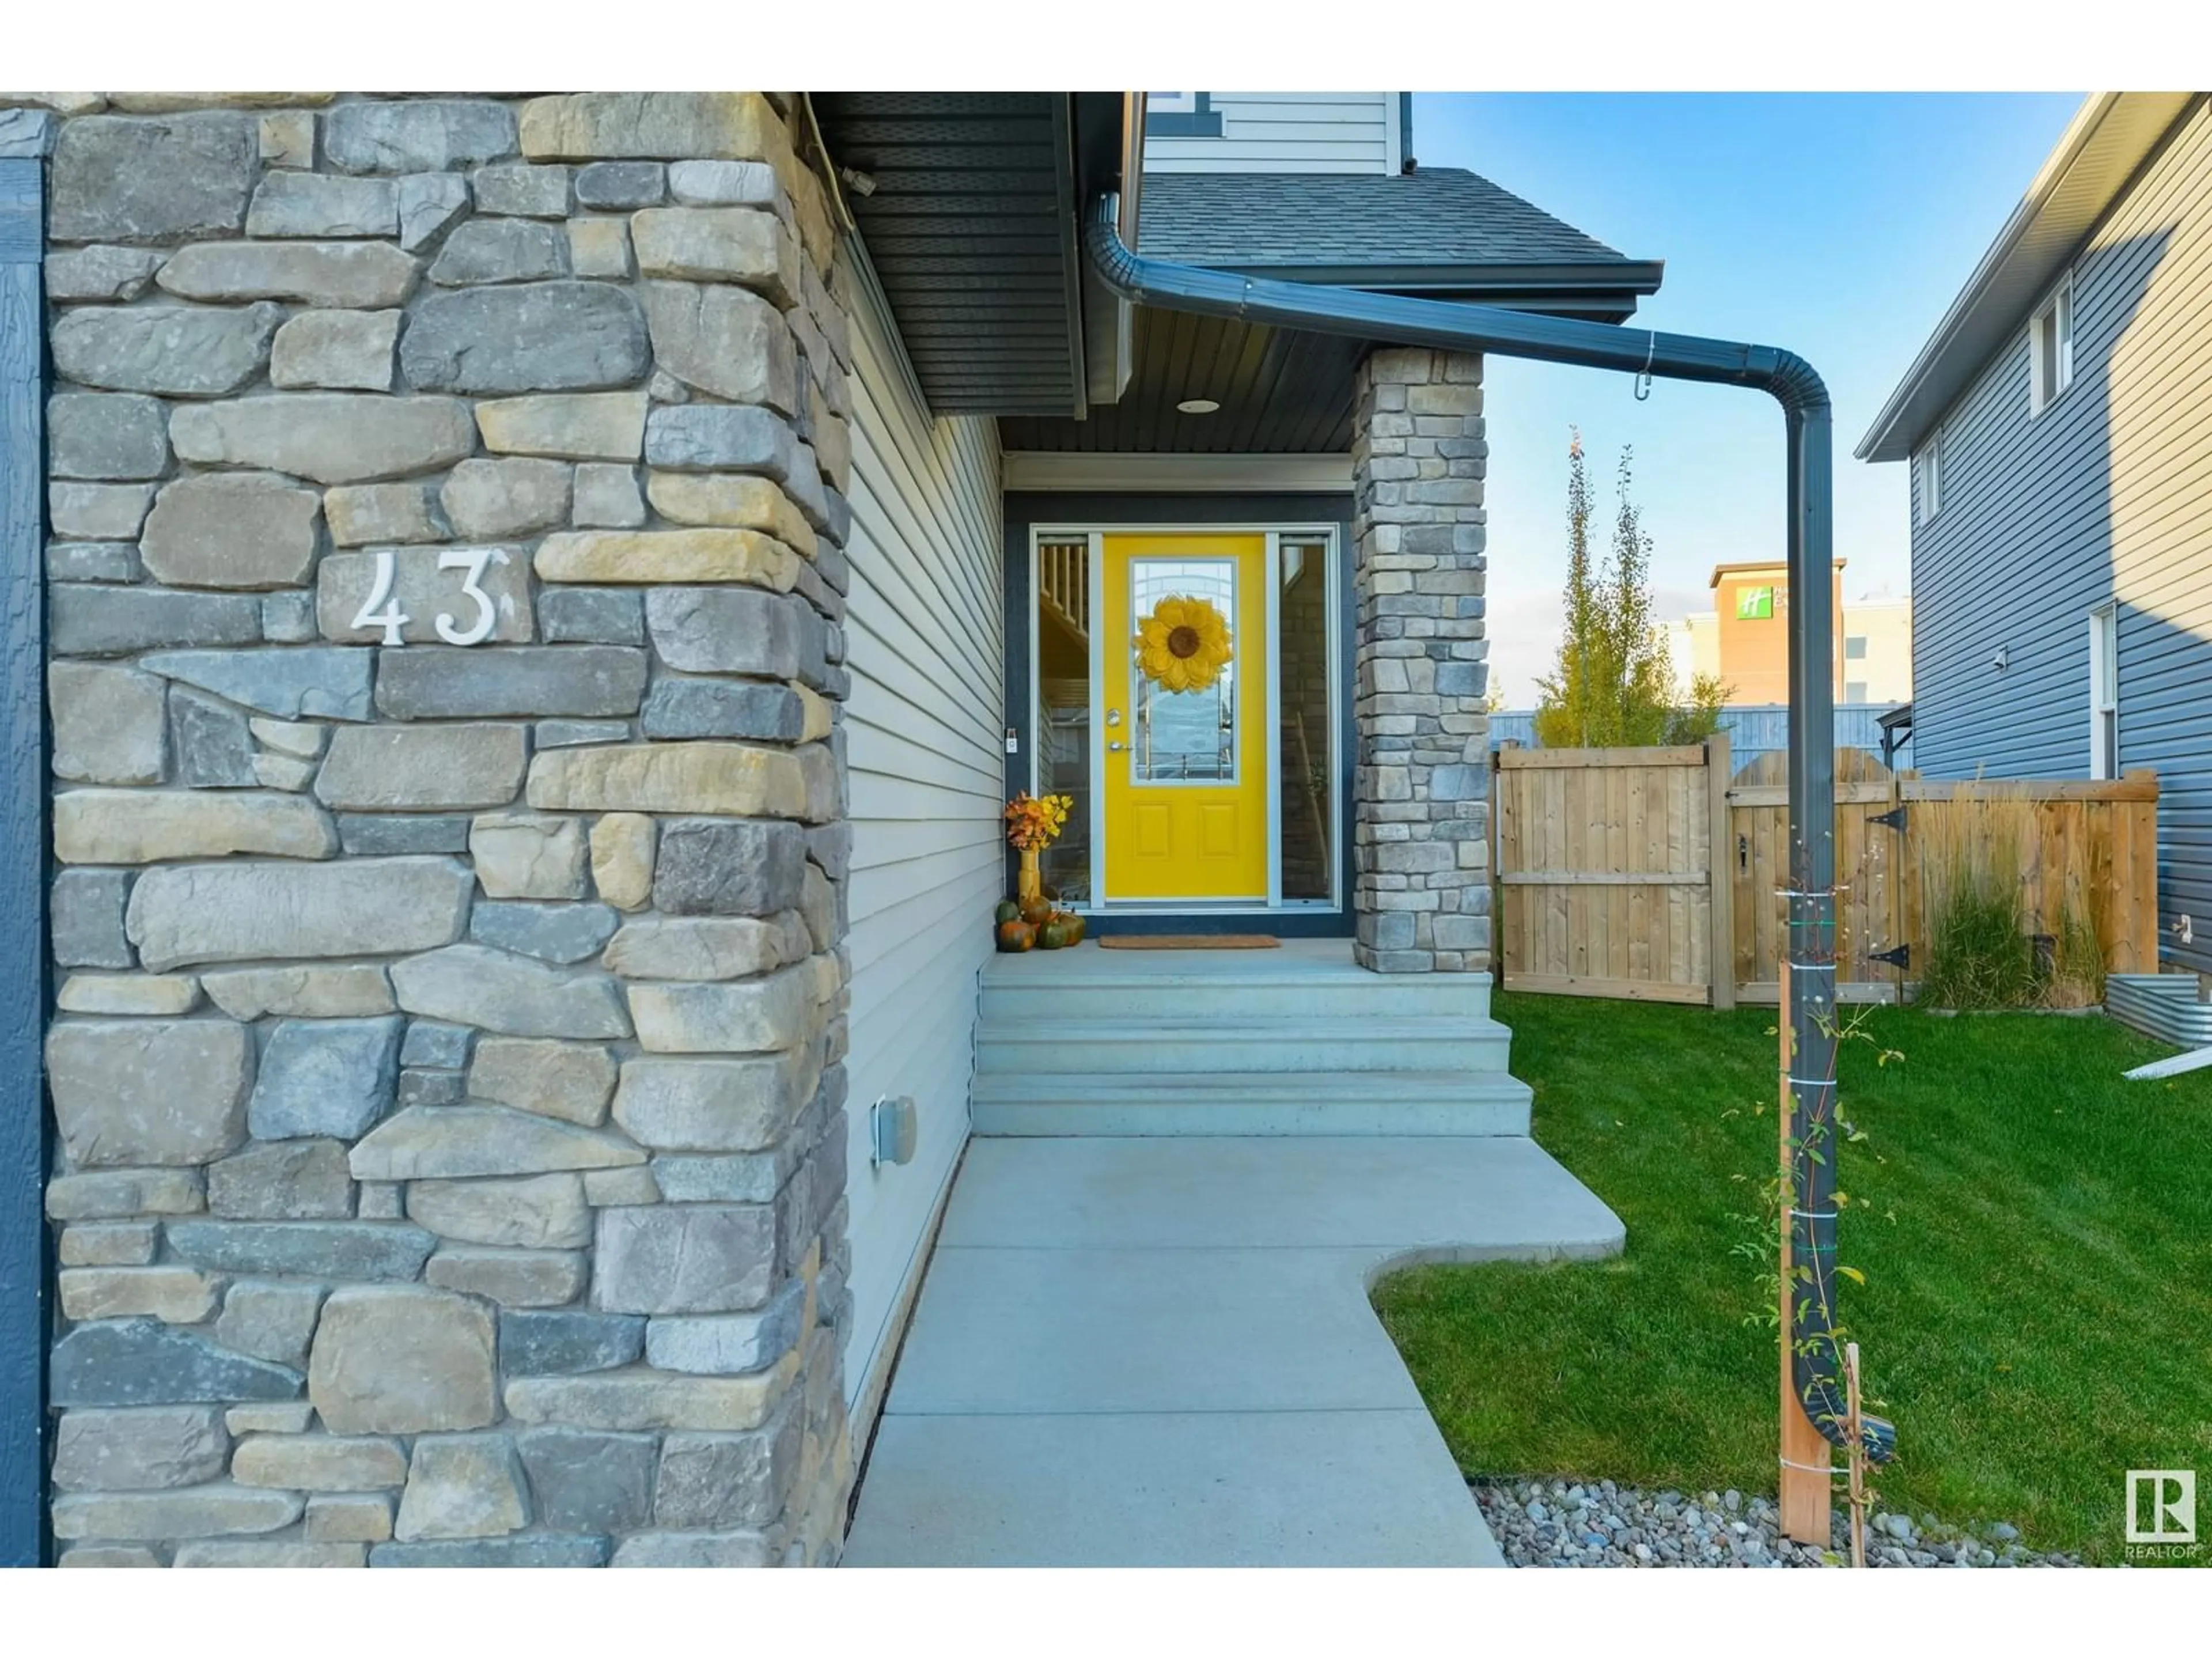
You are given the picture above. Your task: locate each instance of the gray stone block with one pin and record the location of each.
(593, 615)
(142, 1450)
(326, 682)
(301, 203)
(287, 619)
(122, 178)
(730, 1178)
(517, 187)
(533, 1212)
(677, 708)
(393, 1359)
(497, 991)
(97, 512)
(86, 917)
(554, 933)
(579, 681)
(432, 1043)
(695, 1549)
(101, 273)
(271, 1321)
(424, 592)
(428, 768)
(607, 496)
(531, 336)
(462, 1486)
(728, 867)
(728, 1345)
(512, 1278)
(533, 1343)
(347, 1250)
(488, 250)
(194, 1513)
(419, 1087)
(711, 1104)
(289, 1181)
(587, 1482)
(212, 744)
(722, 438)
(724, 184)
(95, 435)
(621, 184)
(94, 561)
(111, 622)
(179, 351)
(688, 1258)
(500, 500)
(724, 1480)
(577, 734)
(335, 350)
(143, 1362)
(361, 513)
(526, 1550)
(370, 834)
(425, 135)
(252, 912)
(139, 1091)
(329, 1077)
(332, 437)
(730, 630)
(108, 723)
(723, 340)
(429, 204)
(232, 530)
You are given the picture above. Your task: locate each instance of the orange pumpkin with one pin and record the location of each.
(1037, 912)
(1017, 936)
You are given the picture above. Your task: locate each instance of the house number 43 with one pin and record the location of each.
(381, 608)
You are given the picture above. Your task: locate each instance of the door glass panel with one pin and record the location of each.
(1063, 759)
(1183, 678)
(1307, 745)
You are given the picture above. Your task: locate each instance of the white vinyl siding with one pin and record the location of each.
(925, 748)
(1285, 132)
(2105, 497)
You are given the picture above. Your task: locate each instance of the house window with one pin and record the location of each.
(2105, 691)
(2050, 349)
(1754, 603)
(1931, 478)
(1855, 691)
(1855, 647)
(1181, 115)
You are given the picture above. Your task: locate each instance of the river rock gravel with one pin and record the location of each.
(1567, 1523)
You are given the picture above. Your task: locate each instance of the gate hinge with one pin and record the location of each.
(1898, 955)
(1892, 820)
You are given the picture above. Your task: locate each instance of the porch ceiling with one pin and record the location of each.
(971, 230)
(1280, 392)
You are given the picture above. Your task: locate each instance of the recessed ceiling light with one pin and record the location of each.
(1198, 406)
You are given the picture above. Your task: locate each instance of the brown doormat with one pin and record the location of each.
(1189, 942)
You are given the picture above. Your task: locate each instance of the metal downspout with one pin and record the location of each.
(1816, 1360)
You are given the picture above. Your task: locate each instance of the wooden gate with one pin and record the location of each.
(1606, 871)
(1655, 875)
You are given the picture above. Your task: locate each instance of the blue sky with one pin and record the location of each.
(1839, 226)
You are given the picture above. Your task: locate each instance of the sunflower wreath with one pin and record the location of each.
(1183, 645)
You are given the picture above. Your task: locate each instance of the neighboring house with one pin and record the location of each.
(546, 600)
(2061, 489)
(1744, 640)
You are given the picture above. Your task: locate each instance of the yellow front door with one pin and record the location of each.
(1185, 739)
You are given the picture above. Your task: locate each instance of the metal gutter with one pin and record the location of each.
(1599, 283)
(1810, 1058)
(2095, 159)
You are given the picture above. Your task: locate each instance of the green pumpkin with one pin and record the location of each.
(1007, 911)
(1058, 933)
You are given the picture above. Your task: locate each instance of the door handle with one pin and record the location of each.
(1116, 747)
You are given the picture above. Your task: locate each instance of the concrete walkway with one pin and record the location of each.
(1159, 1351)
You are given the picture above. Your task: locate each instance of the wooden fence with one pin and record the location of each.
(1655, 874)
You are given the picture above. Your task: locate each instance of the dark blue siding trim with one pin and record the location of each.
(23, 1271)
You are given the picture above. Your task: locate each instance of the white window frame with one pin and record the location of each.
(2058, 308)
(1931, 477)
(1170, 103)
(2105, 690)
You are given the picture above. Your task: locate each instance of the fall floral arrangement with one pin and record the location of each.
(1034, 822)
(1030, 921)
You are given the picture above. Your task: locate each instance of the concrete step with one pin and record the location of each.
(1105, 993)
(1251, 1103)
(1172, 1048)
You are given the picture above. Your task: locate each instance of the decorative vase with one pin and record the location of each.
(1031, 887)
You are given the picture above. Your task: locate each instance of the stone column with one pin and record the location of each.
(446, 610)
(1421, 892)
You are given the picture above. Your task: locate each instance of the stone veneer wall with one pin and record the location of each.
(1421, 794)
(448, 1067)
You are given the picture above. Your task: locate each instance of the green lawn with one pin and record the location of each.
(2037, 1317)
